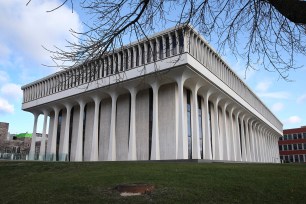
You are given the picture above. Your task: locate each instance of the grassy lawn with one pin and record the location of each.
(48, 182)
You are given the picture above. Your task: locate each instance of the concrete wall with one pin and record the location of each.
(105, 118)
(90, 111)
(62, 131)
(122, 127)
(167, 121)
(142, 125)
(75, 124)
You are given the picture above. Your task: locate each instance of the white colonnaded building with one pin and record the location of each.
(169, 96)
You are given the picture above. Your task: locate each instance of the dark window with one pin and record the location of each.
(300, 136)
(291, 158)
(174, 44)
(304, 146)
(161, 49)
(280, 147)
(295, 136)
(281, 157)
(285, 147)
(154, 51)
(285, 137)
(150, 120)
(116, 59)
(200, 126)
(295, 146)
(107, 67)
(300, 146)
(126, 60)
(296, 158)
(181, 41)
(287, 158)
(167, 47)
(121, 61)
(280, 138)
(149, 51)
(102, 67)
(111, 65)
(189, 125)
(143, 54)
(289, 147)
(289, 137)
(137, 56)
(98, 69)
(301, 157)
(132, 58)
(304, 135)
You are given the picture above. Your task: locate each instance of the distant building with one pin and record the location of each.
(3, 131)
(17, 146)
(292, 146)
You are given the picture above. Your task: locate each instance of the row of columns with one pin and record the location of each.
(200, 50)
(232, 134)
(113, 63)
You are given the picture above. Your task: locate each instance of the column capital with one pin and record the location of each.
(35, 114)
(46, 112)
(56, 109)
(155, 85)
(114, 95)
(82, 103)
(96, 98)
(68, 106)
(133, 90)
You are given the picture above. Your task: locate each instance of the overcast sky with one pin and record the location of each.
(25, 29)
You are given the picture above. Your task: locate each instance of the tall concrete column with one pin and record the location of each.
(270, 148)
(231, 136)
(94, 154)
(112, 137)
(252, 142)
(257, 145)
(216, 135)
(247, 141)
(243, 140)
(182, 138)
(225, 137)
(237, 140)
(155, 153)
(43, 139)
(65, 154)
(51, 155)
(79, 143)
(265, 145)
(132, 142)
(195, 124)
(260, 145)
(33, 142)
(206, 135)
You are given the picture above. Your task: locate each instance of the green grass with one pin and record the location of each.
(48, 182)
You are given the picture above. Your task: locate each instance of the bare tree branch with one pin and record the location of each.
(267, 34)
